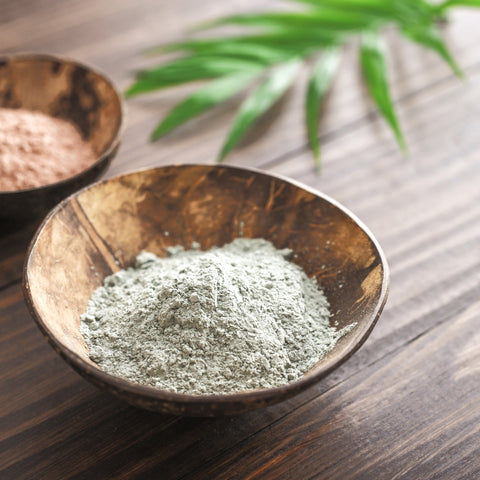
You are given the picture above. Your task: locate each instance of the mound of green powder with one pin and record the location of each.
(234, 318)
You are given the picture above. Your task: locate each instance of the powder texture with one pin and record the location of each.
(229, 319)
(37, 150)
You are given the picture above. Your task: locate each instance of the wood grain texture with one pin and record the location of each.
(358, 419)
(405, 406)
(14, 239)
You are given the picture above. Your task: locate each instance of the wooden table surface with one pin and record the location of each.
(407, 405)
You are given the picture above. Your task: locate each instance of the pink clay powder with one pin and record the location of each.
(37, 150)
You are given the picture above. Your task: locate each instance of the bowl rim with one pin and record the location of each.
(155, 394)
(114, 143)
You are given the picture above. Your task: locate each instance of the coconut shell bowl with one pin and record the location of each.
(102, 228)
(69, 90)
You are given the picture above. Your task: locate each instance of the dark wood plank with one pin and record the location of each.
(424, 209)
(51, 416)
(394, 419)
(105, 34)
(14, 240)
(348, 125)
(462, 288)
(114, 39)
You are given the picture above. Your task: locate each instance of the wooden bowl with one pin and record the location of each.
(66, 89)
(102, 228)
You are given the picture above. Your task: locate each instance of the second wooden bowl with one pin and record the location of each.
(102, 228)
(66, 89)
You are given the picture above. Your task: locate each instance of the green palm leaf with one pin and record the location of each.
(288, 39)
(329, 20)
(378, 8)
(375, 73)
(320, 81)
(263, 53)
(187, 70)
(457, 3)
(429, 36)
(274, 44)
(259, 101)
(403, 11)
(202, 100)
(383, 9)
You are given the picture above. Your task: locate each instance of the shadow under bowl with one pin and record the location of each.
(64, 89)
(102, 228)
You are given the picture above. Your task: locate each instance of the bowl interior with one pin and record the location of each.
(65, 89)
(103, 228)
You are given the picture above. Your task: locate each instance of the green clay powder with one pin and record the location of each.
(228, 319)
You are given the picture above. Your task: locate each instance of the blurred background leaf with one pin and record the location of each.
(259, 101)
(203, 99)
(372, 54)
(318, 85)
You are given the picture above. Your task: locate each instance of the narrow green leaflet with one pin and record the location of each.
(409, 12)
(403, 11)
(259, 101)
(287, 40)
(457, 3)
(429, 36)
(320, 81)
(379, 8)
(375, 73)
(329, 20)
(189, 69)
(203, 99)
(265, 54)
